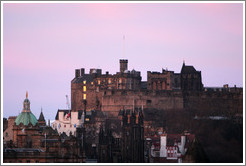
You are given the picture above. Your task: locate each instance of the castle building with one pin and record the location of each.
(191, 80)
(108, 92)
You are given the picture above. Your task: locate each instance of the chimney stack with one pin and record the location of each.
(77, 73)
(82, 71)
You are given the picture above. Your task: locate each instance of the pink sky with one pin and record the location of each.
(44, 43)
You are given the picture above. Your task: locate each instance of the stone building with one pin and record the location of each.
(167, 80)
(108, 92)
(191, 80)
(32, 141)
(132, 136)
(87, 89)
(169, 148)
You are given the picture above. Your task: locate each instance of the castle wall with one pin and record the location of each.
(112, 103)
(215, 103)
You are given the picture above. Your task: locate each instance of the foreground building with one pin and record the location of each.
(29, 140)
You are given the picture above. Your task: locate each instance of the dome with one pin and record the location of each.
(25, 118)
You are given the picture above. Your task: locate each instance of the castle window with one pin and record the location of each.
(84, 88)
(84, 81)
(28, 161)
(99, 82)
(64, 126)
(109, 81)
(84, 96)
(148, 101)
(6, 134)
(92, 83)
(120, 80)
(37, 161)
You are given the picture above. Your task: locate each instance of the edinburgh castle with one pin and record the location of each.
(164, 90)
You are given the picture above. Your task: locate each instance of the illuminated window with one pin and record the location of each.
(120, 80)
(84, 88)
(109, 81)
(84, 97)
(84, 82)
(87, 119)
(99, 82)
(91, 83)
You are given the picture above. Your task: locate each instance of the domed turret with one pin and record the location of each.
(26, 116)
(26, 104)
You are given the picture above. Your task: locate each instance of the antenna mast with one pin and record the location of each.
(124, 50)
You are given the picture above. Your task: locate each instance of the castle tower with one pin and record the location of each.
(123, 65)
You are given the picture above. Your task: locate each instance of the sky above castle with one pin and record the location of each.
(43, 43)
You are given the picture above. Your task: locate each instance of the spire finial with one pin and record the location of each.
(26, 94)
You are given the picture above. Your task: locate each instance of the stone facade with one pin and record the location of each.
(164, 90)
(8, 133)
(191, 80)
(109, 92)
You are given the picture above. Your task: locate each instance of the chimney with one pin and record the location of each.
(99, 71)
(163, 150)
(77, 73)
(82, 71)
(183, 140)
(106, 72)
(49, 123)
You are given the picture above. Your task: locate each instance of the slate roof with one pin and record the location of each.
(64, 111)
(41, 117)
(188, 69)
(85, 77)
(25, 118)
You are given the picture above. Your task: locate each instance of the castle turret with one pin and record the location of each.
(123, 65)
